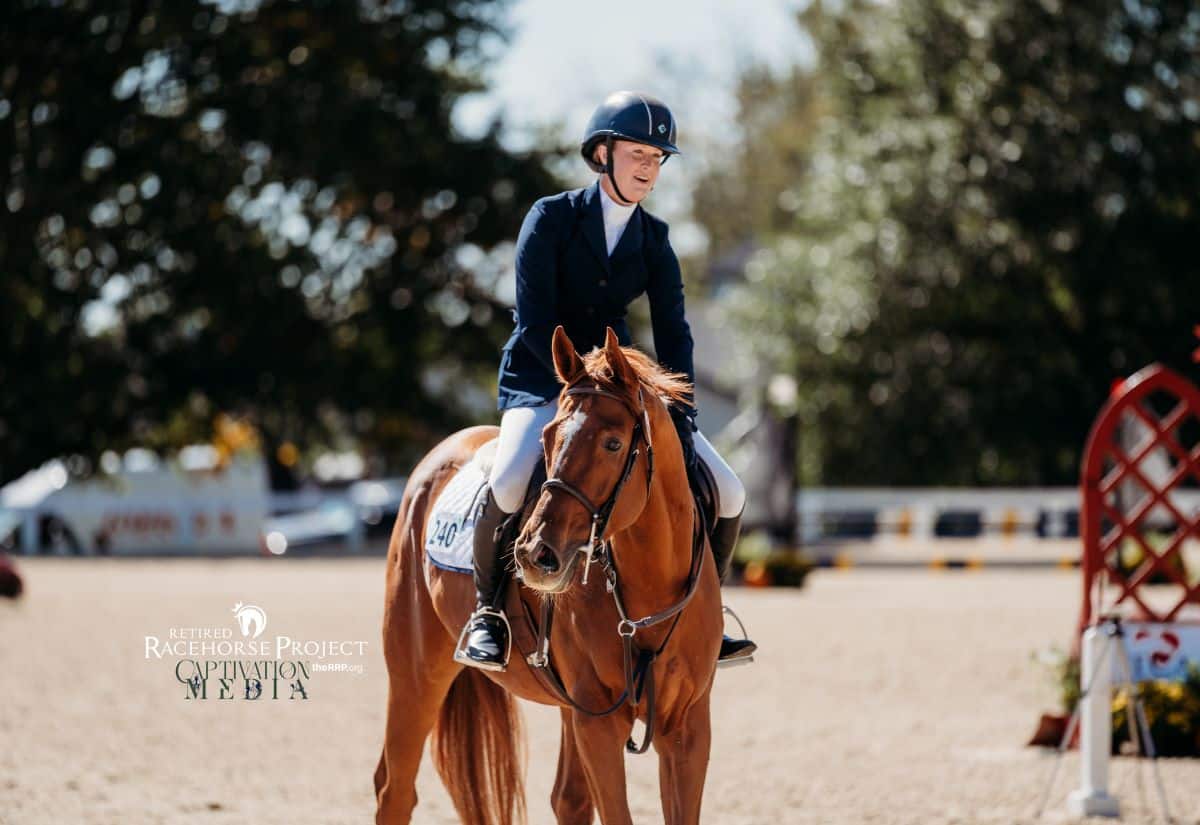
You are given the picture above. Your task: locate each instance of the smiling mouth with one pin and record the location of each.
(640, 180)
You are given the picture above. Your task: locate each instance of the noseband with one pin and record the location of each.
(603, 513)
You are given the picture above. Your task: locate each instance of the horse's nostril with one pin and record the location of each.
(545, 560)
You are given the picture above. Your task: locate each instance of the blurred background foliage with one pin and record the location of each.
(254, 207)
(963, 226)
(954, 231)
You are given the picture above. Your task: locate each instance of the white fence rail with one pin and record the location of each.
(952, 512)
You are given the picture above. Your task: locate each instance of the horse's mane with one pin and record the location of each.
(671, 387)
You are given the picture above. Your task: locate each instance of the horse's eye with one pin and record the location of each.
(612, 445)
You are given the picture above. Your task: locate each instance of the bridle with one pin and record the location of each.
(602, 514)
(638, 663)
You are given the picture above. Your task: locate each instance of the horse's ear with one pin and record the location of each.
(621, 368)
(567, 362)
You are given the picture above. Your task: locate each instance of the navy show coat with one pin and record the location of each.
(565, 276)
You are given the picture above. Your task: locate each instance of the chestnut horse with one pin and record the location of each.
(636, 639)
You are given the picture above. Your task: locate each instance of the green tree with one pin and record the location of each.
(248, 206)
(995, 220)
(749, 194)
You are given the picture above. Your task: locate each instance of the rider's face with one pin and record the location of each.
(635, 166)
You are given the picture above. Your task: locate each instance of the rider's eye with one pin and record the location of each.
(612, 445)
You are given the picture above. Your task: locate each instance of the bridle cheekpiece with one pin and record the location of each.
(603, 513)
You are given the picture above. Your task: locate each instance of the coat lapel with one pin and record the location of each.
(631, 239)
(593, 224)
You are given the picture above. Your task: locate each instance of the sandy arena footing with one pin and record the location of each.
(883, 697)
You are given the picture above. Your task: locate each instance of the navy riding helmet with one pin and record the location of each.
(628, 116)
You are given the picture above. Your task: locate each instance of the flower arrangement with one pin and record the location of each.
(1172, 710)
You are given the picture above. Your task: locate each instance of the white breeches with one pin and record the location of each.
(520, 448)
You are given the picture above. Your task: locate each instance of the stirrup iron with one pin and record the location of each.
(460, 653)
(746, 660)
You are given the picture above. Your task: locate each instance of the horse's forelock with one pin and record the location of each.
(604, 374)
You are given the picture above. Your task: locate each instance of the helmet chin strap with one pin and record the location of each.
(608, 167)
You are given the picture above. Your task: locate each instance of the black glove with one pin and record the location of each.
(685, 426)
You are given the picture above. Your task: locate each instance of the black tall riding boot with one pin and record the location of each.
(485, 639)
(723, 539)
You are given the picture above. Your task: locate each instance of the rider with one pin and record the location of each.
(581, 258)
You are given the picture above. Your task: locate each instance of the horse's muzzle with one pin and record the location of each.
(543, 568)
(545, 558)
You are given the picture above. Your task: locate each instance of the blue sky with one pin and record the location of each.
(564, 57)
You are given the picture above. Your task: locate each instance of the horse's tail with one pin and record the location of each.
(479, 751)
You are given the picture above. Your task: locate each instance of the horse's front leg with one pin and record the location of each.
(571, 800)
(683, 751)
(601, 747)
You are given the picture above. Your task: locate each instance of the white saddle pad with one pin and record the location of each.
(450, 531)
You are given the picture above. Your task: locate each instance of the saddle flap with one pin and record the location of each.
(708, 496)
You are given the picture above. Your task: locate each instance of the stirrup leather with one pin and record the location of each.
(460, 653)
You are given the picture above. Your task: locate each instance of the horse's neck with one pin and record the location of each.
(653, 555)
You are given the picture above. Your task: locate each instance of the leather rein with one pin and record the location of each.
(638, 663)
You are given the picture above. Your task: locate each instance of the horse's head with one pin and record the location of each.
(599, 457)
